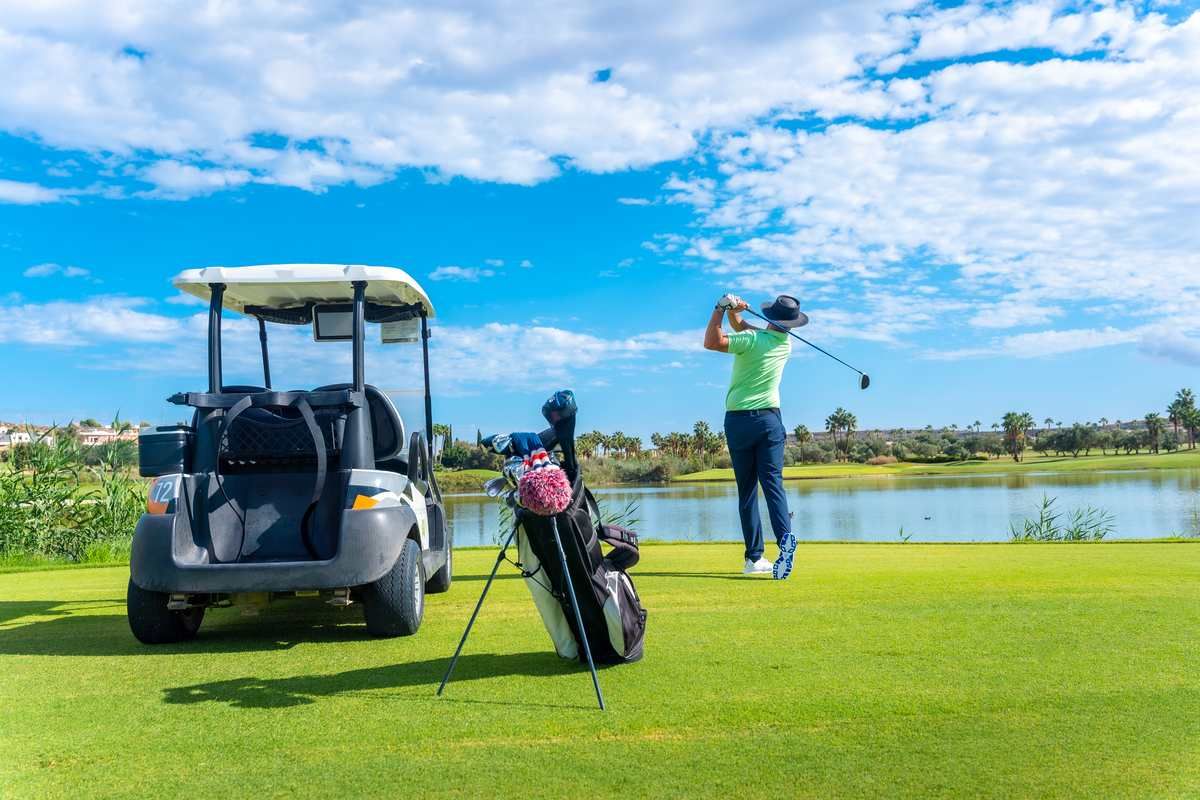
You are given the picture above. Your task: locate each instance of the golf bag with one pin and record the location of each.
(612, 612)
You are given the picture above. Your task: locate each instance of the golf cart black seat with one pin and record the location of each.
(387, 428)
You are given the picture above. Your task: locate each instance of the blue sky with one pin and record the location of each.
(986, 207)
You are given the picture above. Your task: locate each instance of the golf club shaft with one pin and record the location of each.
(807, 342)
(475, 613)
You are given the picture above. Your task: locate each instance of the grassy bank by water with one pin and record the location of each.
(1181, 459)
(878, 670)
(464, 480)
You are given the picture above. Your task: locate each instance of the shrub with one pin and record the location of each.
(47, 511)
(881, 460)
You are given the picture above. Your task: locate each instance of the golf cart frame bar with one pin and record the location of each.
(215, 364)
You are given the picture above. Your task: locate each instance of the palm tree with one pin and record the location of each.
(587, 444)
(803, 437)
(1154, 429)
(976, 426)
(1104, 422)
(1191, 421)
(1049, 421)
(995, 426)
(833, 424)
(446, 432)
(1184, 399)
(1016, 428)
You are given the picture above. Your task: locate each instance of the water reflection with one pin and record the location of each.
(933, 509)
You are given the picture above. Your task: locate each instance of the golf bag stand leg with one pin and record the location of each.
(587, 648)
(479, 605)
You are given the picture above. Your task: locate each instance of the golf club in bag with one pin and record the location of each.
(586, 599)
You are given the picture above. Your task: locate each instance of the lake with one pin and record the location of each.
(975, 508)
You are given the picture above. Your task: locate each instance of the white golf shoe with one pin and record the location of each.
(760, 567)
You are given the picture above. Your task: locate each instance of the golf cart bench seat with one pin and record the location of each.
(387, 428)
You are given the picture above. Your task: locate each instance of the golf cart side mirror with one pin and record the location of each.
(418, 457)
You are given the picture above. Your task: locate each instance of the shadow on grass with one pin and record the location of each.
(724, 576)
(13, 610)
(305, 689)
(61, 628)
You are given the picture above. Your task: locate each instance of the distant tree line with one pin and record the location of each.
(1015, 434)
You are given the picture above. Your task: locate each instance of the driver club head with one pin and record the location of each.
(865, 382)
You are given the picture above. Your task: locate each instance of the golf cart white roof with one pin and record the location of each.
(290, 285)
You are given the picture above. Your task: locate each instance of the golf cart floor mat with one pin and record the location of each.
(271, 507)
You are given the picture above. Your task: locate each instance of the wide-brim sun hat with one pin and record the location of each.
(785, 312)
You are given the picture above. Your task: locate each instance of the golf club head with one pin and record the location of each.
(560, 406)
(498, 442)
(865, 382)
(496, 486)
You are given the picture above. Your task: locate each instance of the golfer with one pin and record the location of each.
(753, 425)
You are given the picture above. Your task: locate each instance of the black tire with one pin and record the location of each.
(153, 623)
(440, 582)
(394, 604)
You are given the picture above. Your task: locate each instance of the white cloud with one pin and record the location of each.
(1012, 313)
(85, 323)
(453, 273)
(526, 264)
(698, 192)
(1022, 194)
(175, 180)
(633, 201)
(1173, 346)
(463, 358)
(50, 269)
(501, 93)
(494, 262)
(28, 194)
(1039, 344)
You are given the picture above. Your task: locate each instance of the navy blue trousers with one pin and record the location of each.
(755, 440)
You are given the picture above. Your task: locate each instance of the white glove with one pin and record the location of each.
(727, 302)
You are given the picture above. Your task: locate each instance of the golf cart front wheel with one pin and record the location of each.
(153, 623)
(394, 604)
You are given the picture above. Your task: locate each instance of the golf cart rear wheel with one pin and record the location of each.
(440, 582)
(153, 623)
(394, 604)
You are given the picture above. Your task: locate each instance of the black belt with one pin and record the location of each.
(753, 412)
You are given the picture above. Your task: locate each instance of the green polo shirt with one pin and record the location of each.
(759, 359)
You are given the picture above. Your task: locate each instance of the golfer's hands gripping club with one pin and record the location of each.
(731, 302)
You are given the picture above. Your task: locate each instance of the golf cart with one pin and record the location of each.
(303, 493)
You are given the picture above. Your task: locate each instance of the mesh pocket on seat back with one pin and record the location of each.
(260, 436)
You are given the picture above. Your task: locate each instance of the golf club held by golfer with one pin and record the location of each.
(732, 301)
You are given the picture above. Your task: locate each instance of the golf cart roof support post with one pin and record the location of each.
(215, 381)
(360, 335)
(266, 358)
(425, 362)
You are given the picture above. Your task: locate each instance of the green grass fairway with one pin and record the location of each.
(877, 671)
(1181, 459)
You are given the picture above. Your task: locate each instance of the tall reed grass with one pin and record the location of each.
(60, 502)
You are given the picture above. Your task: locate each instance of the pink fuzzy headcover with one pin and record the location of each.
(545, 492)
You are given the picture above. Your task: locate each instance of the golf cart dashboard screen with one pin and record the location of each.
(333, 324)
